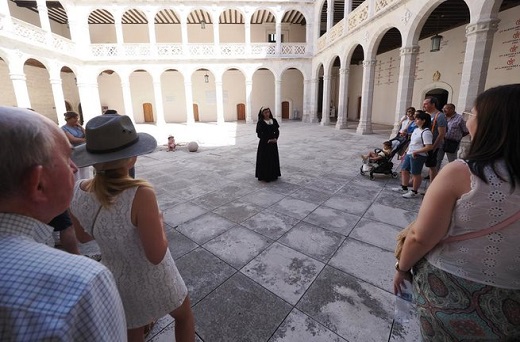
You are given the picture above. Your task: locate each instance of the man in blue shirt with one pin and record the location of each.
(45, 293)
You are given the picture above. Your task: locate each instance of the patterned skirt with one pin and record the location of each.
(451, 308)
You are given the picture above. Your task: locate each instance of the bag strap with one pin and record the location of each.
(435, 121)
(507, 222)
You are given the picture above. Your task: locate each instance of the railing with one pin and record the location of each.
(202, 51)
(358, 16)
(355, 18)
(36, 36)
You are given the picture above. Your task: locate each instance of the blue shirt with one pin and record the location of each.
(47, 294)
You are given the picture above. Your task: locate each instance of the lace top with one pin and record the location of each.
(148, 291)
(492, 259)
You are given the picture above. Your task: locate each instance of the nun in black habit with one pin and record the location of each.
(267, 161)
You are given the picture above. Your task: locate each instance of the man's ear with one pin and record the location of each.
(34, 184)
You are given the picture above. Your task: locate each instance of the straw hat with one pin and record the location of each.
(111, 137)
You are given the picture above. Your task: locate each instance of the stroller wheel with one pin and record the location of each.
(394, 175)
(361, 172)
(371, 176)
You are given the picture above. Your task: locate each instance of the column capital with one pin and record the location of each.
(326, 77)
(369, 62)
(490, 25)
(344, 71)
(409, 50)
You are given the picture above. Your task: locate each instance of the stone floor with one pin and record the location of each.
(306, 258)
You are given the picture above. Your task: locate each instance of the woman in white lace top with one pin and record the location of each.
(469, 289)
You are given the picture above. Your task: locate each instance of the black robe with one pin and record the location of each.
(267, 161)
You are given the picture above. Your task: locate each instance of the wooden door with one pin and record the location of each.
(285, 110)
(359, 108)
(196, 112)
(148, 112)
(241, 111)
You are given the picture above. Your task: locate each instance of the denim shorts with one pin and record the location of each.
(413, 165)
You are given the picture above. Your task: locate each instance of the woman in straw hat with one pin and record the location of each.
(122, 214)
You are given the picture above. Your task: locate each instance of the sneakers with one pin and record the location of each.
(400, 190)
(410, 194)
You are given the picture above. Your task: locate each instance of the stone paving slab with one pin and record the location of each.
(300, 327)
(237, 246)
(284, 271)
(313, 241)
(205, 227)
(270, 223)
(239, 310)
(308, 257)
(353, 309)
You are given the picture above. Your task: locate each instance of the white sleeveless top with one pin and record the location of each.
(148, 291)
(492, 259)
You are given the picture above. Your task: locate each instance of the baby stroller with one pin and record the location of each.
(385, 165)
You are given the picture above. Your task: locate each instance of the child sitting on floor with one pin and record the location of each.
(374, 156)
(171, 143)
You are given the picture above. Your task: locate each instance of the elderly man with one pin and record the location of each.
(456, 131)
(45, 293)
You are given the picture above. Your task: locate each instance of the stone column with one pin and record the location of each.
(152, 38)
(347, 10)
(342, 101)
(313, 108)
(249, 91)
(59, 99)
(157, 90)
(306, 110)
(89, 97)
(118, 22)
(476, 61)
(190, 118)
(248, 37)
(367, 94)
(219, 92)
(184, 38)
(278, 99)
(216, 36)
(20, 89)
(330, 14)
(309, 38)
(405, 83)
(325, 106)
(278, 38)
(43, 13)
(127, 97)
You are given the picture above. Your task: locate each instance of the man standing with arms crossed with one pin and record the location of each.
(45, 293)
(439, 123)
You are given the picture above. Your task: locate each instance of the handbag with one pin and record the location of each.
(401, 237)
(450, 146)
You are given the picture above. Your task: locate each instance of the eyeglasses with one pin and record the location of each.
(467, 115)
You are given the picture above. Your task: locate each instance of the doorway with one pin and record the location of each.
(241, 111)
(196, 112)
(440, 94)
(285, 110)
(148, 112)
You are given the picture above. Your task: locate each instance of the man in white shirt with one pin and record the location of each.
(45, 293)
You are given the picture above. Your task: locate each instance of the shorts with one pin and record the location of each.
(413, 165)
(431, 160)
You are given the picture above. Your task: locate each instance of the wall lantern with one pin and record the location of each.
(203, 24)
(206, 78)
(436, 43)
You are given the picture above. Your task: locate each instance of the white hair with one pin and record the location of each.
(27, 139)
